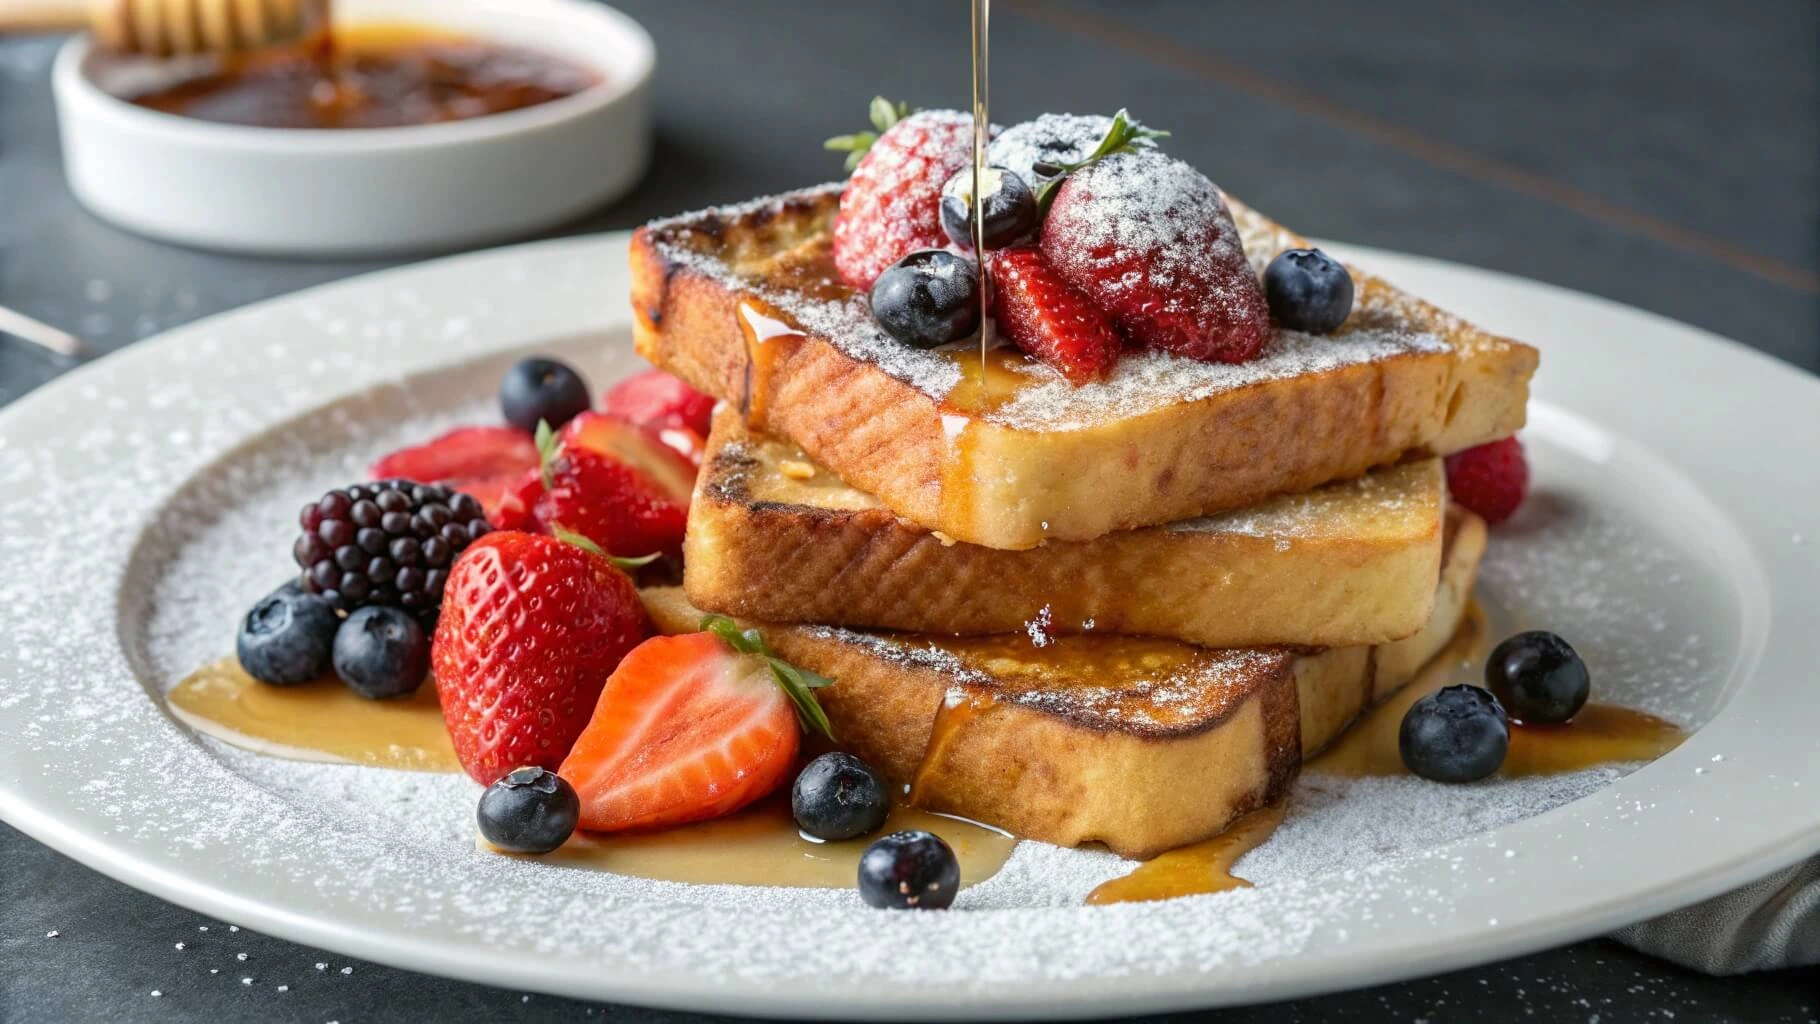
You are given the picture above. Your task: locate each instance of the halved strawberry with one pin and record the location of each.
(657, 400)
(618, 485)
(515, 509)
(482, 461)
(892, 203)
(689, 728)
(531, 628)
(1050, 320)
(685, 442)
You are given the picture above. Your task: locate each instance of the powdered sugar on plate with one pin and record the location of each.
(146, 501)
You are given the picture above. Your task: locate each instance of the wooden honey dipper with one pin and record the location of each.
(170, 27)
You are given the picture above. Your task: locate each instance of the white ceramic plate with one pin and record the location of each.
(145, 500)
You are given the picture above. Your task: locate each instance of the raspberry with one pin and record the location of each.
(385, 543)
(892, 205)
(1489, 480)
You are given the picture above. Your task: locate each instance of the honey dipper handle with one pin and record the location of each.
(43, 15)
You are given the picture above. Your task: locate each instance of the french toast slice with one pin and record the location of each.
(742, 301)
(1142, 744)
(775, 537)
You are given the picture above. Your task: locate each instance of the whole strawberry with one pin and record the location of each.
(1490, 480)
(892, 204)
(1149, 240)
(531, 629)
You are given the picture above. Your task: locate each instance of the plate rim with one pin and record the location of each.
(85, 841)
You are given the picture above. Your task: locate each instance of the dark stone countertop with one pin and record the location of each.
(1666, 155)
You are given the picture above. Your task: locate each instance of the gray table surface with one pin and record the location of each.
(1665, 154)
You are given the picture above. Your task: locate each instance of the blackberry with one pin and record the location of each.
(385, 543)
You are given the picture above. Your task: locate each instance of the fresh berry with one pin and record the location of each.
(286, 638)
(516, 507)
(689, 728)
(657, 399)
(838, 796)
(1539, 677)
(618, 485)
(909, 871)
(481, 461)
(531, 628)
(1490, 480)
(1308, 290)
(529, 810)
(1037, 150)
(1047, 318)
(1149, 240)
(930, 297)
(385, 543)
(686, 443)
(1010, 207)
(382, 652)
(542, 390)
(1456, 734)
(892, 204)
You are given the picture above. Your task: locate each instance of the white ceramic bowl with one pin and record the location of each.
(368, 191)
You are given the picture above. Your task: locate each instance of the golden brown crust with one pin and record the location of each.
(1006, 486)
(1142, 745)
(1353, 563)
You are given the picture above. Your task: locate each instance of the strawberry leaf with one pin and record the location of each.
(1126, 134)
(798, 684)
(549, 444)
(581, 541)
(883, 114)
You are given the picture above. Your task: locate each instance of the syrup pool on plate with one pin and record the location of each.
(320, 720)
(761, 845)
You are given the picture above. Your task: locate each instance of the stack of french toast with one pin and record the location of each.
(1114, 574)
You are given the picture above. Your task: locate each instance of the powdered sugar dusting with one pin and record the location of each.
(1142, 381)
(172, 474)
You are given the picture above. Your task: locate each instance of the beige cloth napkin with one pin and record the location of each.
(1765, 925)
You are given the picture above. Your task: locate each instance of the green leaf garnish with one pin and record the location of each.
(579, 540)
(586, 543)
(549, 445)
(883, 114)
(1126, 134)
(798, 684)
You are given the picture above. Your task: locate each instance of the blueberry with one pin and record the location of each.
(1010, 207)
(286, 638)
(1539, 677)
(838, 796)
(542, 389)
(529, 810)
(1308, 290)
(381, 651)
(1456, 734)
(930, 297)
(909, 871)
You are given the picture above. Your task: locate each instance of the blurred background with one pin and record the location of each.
(1662, 153)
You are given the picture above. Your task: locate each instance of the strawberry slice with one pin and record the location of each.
(482, 461)
(530, 629)
(690, 728)
(618, 485)
(1050, 320)
(892, 204)
(658, 400)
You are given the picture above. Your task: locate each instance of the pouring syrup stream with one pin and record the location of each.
(982, 124)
